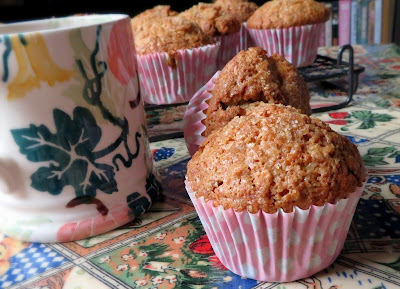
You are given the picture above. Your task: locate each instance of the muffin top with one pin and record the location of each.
(170, 34)
(240, 9)
(288, 13)
(212, 19)
(159, 11)
(275, 157)
(253, 76)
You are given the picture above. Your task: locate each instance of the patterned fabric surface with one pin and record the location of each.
(167, 246)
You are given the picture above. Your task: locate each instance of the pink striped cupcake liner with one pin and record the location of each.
(163, 84)
(193, 126)
(299, 45)
(230, 46)
(279, 247)
(244, 38)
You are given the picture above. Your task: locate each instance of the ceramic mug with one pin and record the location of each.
(74, 155)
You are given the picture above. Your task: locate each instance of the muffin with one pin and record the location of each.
(171, 54)
(253, 76)
(288, 13)
(156, 12)
(289, 27)
(283, 178)
(214, 21)
(240, 9)
(277, 158)
(170, 34)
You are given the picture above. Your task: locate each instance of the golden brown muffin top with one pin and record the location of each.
(240, 9)
(253, 76)
(288, 13)
(170, 34)
(275, 157)
(159, 11)
(212, 19)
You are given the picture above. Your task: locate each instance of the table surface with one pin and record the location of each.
(170, 233)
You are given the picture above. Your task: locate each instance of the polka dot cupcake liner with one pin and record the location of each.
(162, 84)
(194, 115)
(299, 45)
(230, 46)
(279, 247)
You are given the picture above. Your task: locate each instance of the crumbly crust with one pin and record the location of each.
(275, 157)
(288, 13)
(212, 19)
(253, 76)
(159, 11)
(170, 34)
(240, 9)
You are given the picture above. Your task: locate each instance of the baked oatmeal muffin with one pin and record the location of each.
(159, 11)
(212, 19)
(253, 76)
(288, 13)
(240, 9)
(275, 157)
(175, 58)
(291, 28)
(249, 174)
(170, 34)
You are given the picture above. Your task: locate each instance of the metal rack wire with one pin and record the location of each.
(326, 68)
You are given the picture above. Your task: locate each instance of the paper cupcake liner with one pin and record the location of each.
(279, 247)
(230, 46)
(193, 126)
(163, 84)
(244, 38)
(299, 45)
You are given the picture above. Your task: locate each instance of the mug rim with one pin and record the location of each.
(27, 27)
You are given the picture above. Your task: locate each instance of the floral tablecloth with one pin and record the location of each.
(167, 246)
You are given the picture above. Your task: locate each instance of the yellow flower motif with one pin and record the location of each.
(227, 279)
(34, 66)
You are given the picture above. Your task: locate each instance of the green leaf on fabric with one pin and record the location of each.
(361, 114)
(380, 151)
(383, 103)
(373, 160)
(366, 124)
(381, 117)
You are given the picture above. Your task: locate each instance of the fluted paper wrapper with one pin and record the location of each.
(277, 247)
(193, 126)
(299, 45)
(163, 84)
(230, 46)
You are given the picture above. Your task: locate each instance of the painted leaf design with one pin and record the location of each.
(369, 119)
(381, 117)
(361, 114)
(383, 103)
(366, 124)
(380, 151)
(140, 204)
(373, 160)
(68, 154)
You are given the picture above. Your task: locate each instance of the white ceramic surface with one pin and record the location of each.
(74, 154)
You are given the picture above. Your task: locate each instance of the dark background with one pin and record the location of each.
(20, 10)
(16, 10)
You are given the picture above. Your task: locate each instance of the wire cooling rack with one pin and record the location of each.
(326, 68)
